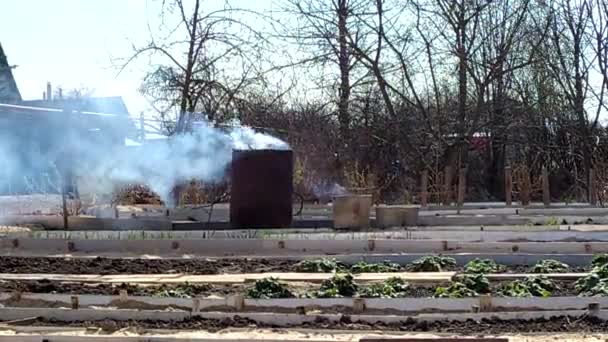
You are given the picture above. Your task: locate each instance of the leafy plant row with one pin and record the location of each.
(431, 263)
(343, 285)
(338, 286)
(471, 283)
(596, 283)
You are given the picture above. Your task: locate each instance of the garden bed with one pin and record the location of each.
(563, 288)
(107, 266)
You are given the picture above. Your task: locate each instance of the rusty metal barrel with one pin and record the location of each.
(261, 188)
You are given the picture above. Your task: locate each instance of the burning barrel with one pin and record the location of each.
(262, 187)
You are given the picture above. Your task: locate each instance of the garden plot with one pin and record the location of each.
(325, 293)
(426, 287)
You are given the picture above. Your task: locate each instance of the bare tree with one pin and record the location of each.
(570, 62)
(325, 27)
(207, 58)
(506, 48)
(600, 31)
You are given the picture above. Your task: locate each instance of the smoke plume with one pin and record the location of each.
(202, 154)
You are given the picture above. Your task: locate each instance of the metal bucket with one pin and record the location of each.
(262, 189)
(352, 211)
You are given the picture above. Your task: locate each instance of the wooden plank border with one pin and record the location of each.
(173, 278)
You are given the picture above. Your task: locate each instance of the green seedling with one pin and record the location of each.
(550, 266)
(323, 265)
(391, 288)
(432, 263)
(268, 288)
(482, 266)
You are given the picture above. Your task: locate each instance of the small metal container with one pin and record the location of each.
(352, 211)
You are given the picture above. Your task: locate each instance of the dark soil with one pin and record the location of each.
(489, 326)
(563, 288)
(11, 264)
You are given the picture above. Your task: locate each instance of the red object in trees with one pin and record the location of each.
(479, 143)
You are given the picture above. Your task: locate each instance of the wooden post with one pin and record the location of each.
(424, 189)
(142, 127)
(193, 193)
(592, 188)
(64, 202)
(525, 187)
(577, 193)
(594, 309)
(462, 185)
(358, 305)
(447, 186)
(508, 186)
(546, 191)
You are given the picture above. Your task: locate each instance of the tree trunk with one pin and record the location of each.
(185, 96)
(343, 61)
(579, 110)
(462, 147)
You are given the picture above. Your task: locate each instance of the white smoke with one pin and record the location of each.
(328, 189)
(202, 154)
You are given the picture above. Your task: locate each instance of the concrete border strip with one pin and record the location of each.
(474, 218)
(486, 234)
(261, 247)
(357, 305)
(274, 319)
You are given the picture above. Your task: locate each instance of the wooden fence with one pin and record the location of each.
(525, 187)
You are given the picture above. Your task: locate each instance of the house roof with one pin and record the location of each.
(110, 113)
(9, 93)
(106, 105)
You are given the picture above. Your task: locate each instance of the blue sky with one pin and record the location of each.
(75, 43)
